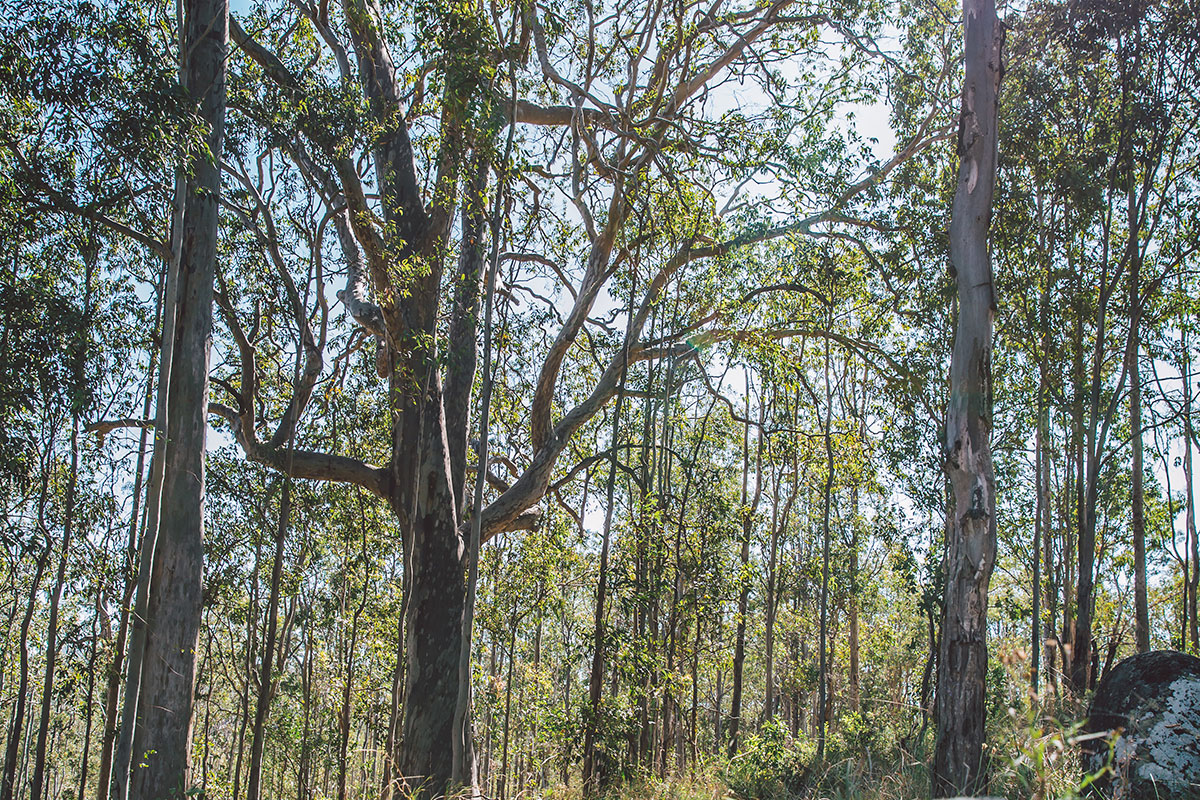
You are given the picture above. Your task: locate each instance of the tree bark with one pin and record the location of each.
(163, 743)
(959, 765)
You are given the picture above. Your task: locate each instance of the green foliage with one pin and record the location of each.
(771, 766)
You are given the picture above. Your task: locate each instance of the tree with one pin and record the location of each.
(163, 690)
(959, 764)
(398, 256)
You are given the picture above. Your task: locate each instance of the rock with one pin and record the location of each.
(1154, 699)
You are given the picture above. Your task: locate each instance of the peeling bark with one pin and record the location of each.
(959, 766)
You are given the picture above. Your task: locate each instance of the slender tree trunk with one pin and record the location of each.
(592, 775)
(266, 679)
(37, 782)
(89, 699)
(113, 687)
(855, 697)
(8, 781)
(39, 765)
(1137, 493)
(463, 767)
(303, 768)
(959, 765)
(748, 509)
(1044, 503)
(348, 684)
(243, 717)
(1193, 583)
(768, 712)
(743, 609)
(1035, 669)
(508, 680)
(826, 502)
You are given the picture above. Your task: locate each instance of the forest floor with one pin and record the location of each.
(1034, 757)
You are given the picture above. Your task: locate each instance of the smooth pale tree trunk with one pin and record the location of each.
(1041, 640)
(123, 755)
(163, 741)
(959, 766)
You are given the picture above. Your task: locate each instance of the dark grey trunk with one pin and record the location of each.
(959, 766)
(768, 712)
(435, 612)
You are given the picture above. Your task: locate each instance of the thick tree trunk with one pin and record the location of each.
(163, 742)
(959, 765)
(435, 608)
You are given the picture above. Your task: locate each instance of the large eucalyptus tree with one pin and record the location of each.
(959, 765)
(632, 140)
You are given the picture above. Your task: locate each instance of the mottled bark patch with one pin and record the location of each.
(1153, 699)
